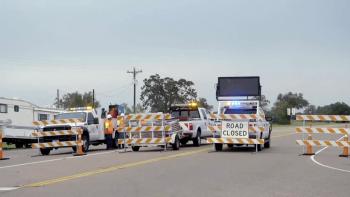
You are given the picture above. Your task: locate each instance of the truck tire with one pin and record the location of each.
(218, 147)
(115, 140)
(197, 139)
(176, 144)
(135, 148)
(86, 143)
(45, 151)
(183, 142)
(268, 142)
(19, 145)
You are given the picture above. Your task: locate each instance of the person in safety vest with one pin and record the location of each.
(109, 129)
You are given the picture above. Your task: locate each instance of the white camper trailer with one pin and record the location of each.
(22, 113)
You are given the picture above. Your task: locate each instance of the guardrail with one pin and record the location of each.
(140, 130)
(307, 132)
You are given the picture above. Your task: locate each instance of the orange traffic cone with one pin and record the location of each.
(2, 156)
(79, 144)
(345, 149)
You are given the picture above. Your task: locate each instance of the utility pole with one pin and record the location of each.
(58, 99)
(93, 98)
(134, 72)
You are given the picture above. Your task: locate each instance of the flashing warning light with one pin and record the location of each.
(81, 108)
(193, 104)
(235, 103)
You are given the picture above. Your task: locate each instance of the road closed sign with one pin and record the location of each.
(235, 129)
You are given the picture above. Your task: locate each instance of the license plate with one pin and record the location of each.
(235, 130)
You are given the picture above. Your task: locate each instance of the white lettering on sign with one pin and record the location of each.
(235, 129)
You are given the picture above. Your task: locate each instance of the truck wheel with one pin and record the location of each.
(19, 145)
(267, 143)
(135, 148)
(197, 139)
(176, 144)
(45, 151)
(183, 142)
(74, 148)
(218, 147)
(86, 143)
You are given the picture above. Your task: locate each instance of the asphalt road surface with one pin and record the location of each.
(192, 171)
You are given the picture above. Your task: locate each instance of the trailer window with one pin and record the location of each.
(3, 108)
(42, 117)
(16, 108)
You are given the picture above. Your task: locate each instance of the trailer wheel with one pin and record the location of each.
(45, 151)
(135, 148)
(218, 147)
(176, 144)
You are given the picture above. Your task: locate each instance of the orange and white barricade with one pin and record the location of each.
(256, 125)
(152, 129)
(307, 132)
(47, 140)
(2, 124)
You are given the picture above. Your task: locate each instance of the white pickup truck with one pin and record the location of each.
(193, 121)
(92, 126)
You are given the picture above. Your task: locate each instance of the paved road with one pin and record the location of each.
(278, 171)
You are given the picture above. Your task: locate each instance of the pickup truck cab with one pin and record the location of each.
(193, 121)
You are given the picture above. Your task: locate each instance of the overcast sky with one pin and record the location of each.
(71, 45)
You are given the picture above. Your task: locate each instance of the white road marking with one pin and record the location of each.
(8, 188)
(53, 160)
(323, 165)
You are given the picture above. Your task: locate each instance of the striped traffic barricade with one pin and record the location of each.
(59, 144)
(143, 130)
(2, 124)
(256, 125)
(307, 132)
(56, 122)
(2, 155)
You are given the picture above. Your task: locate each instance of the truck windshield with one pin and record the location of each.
(185, 114)
(77, 115)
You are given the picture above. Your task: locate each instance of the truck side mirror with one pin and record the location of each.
(269, 119)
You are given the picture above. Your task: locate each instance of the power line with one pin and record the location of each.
(134, 72)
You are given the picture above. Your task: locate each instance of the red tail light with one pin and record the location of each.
(190, 126)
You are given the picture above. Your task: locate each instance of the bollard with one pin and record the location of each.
(345, 149)
(309, 147)
(79, 144)
(2, 156)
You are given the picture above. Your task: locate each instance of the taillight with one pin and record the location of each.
(190, 126)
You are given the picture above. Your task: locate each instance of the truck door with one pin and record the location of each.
(92, 127)
(204, 126)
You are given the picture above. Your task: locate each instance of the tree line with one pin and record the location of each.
(158, 94)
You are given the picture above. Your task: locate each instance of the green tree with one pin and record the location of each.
(202, 102)
(311, 109)
(129, 110)
(76, 99)
(158, 94)
(284, 101)
(338, 108)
